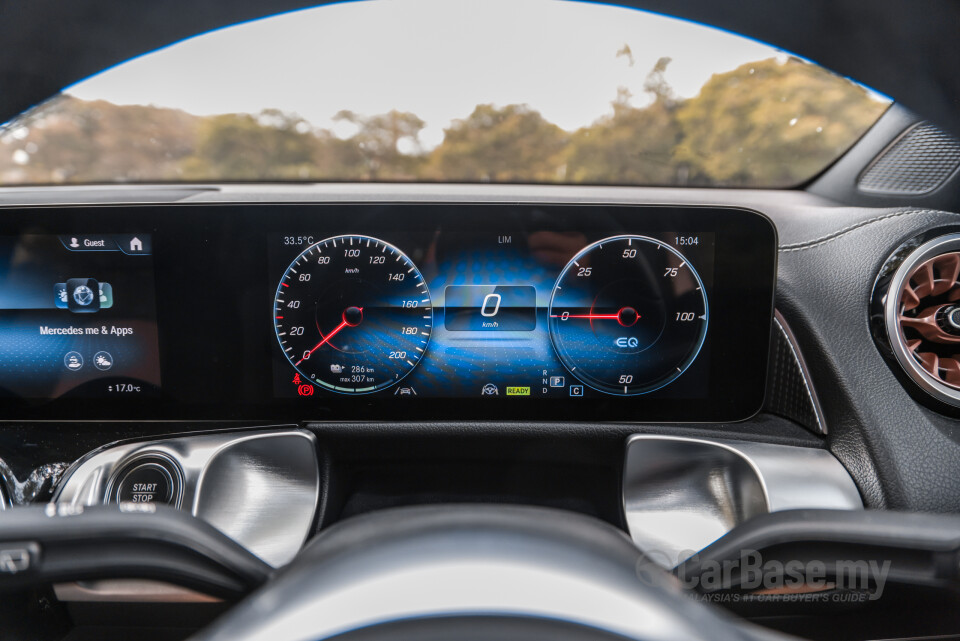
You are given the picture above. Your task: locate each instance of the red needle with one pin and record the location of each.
(627, 316)
(590, 316)
(327, 338)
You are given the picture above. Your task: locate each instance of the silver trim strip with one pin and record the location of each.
(784, 328)
(681, 494)
(891, 313)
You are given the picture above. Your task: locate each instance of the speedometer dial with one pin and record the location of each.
(628, 315)
(353, 314)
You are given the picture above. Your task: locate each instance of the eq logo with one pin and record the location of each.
(625, 342)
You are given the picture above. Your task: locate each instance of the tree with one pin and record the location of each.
(271, 146)
(378, 139)
(771, 123)
(71, 140)
(338, 160)
(633, 145)
(508, 144)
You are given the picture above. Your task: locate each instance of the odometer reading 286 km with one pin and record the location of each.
(628, 315)
(353, 314)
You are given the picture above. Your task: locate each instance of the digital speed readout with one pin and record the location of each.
(353, 314)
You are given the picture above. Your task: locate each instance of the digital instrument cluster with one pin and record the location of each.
(385, 311)
(500, 316)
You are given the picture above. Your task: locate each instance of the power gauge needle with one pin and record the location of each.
(351, 318)
(590, 316)
(627, 316)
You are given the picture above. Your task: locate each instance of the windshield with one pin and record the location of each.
(529, 91)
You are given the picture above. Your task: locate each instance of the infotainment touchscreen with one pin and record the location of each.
(77, 316)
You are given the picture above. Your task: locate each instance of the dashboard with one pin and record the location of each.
(141, 340)
(214, 404)
(386, 311)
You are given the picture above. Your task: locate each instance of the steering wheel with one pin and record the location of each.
(477, 573)
(470, 572)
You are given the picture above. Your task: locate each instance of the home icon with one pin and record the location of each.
(136, 245)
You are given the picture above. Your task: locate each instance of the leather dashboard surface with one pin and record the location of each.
(899, 452)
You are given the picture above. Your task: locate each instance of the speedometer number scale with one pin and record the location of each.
(628, 315)
(353, 314)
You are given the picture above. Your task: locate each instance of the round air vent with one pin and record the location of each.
(922, 317)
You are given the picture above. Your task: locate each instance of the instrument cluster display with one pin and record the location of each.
(385, 311)
(544, 313)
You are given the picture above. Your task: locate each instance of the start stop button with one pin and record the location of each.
(148, 481)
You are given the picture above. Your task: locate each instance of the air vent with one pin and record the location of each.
(922, 316)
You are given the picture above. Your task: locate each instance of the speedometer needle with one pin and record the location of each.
(347, 322)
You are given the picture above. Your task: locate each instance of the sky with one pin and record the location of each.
(435, 58)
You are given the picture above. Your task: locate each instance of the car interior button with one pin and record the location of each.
(148, 481)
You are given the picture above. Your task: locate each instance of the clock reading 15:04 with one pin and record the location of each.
(353, 314)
